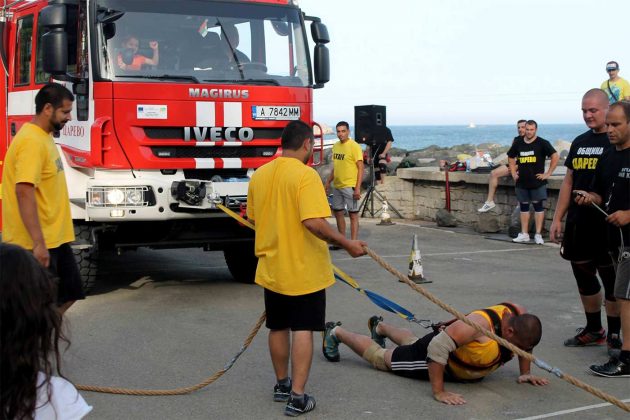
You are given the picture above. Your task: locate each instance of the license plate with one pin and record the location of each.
(278, 113)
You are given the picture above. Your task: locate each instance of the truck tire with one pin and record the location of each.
(86, 258)
(242, 263)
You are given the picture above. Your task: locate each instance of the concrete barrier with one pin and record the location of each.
(417, 193)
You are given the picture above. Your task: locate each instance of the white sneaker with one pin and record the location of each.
(522, 237)
(487, 206)
(538, 239)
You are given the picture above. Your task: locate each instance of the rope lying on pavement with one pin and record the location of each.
(184, 390)
(462, 317)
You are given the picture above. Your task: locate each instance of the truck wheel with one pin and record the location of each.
(242, 263)
(86, 258)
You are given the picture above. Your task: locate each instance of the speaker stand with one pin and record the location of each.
(369, 197)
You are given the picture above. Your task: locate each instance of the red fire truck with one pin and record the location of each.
(177, 103)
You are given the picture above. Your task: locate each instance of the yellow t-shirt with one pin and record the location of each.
(291, 260)
(620, 87)
(33, 158)
(484, 356)
(345, 157)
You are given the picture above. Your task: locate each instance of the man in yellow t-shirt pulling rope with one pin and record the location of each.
(287, 203)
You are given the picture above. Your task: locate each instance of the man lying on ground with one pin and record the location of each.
(456, 353)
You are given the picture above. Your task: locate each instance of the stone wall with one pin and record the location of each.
(417, 193)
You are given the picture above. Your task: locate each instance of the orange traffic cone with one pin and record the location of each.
(416, 273)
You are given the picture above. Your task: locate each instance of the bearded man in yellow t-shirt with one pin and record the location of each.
(287, 203)
(35, 204)
(346, 178)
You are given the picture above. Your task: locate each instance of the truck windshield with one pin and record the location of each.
(194, 41)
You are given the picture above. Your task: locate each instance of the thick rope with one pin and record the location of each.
(459, 315)
(184, 390)
(462, 317)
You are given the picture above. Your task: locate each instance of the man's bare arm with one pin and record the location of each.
(357, 187)
(388, 146)
(512, 165)
(552, 167)
(322, 229)
(329, 179)
(525, 376)
(28, 212)
(461, 334)
(564, 200)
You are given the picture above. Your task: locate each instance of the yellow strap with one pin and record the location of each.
(236, 216)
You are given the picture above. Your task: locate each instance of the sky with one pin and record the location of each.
(460, 62)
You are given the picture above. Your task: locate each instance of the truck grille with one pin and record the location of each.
(177, 133)
(213, 152)
(207, 174)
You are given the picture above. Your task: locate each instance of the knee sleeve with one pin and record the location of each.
(538, 206)
(524, 207)
(586, 278)
(607, 274)
(375, 354)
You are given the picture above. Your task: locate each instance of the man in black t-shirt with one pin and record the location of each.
(584, 241)
(378, 153)
(611, 190)
(531, 178)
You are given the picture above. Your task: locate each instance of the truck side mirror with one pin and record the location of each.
(55, 40)
(322, 65)
(109, 30)
(319, 32)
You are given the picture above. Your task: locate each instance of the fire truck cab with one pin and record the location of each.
(176, 105)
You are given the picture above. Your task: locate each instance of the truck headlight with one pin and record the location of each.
(115, 197)
(137, 196)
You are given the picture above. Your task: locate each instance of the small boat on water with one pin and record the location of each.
(472, 125)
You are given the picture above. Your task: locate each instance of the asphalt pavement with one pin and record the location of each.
(167, 319)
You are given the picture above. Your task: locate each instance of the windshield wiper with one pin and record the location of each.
(162, 76)
(247, 81)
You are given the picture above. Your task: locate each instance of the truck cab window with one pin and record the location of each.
(40, 75)
(215, 41)
(23, 50)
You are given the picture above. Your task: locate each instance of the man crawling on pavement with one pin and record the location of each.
(453, 352)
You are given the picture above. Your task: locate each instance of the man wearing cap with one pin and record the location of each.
(617, 88)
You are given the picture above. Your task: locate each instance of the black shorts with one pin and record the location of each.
(410, 361)
(585, 242)
(64, 267)
(297, 313)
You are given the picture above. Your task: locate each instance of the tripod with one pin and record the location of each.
(369, 195)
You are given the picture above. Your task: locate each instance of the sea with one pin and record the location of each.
(415, 137)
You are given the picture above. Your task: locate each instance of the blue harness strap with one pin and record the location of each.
(380, 301)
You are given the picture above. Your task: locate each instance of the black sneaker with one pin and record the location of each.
(376, 337)
(281, 393)
(296, 407)
(586, 338)
(614, 345)
(614, 368)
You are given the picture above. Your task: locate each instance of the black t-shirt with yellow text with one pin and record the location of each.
(584, 155)
(530, 158)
